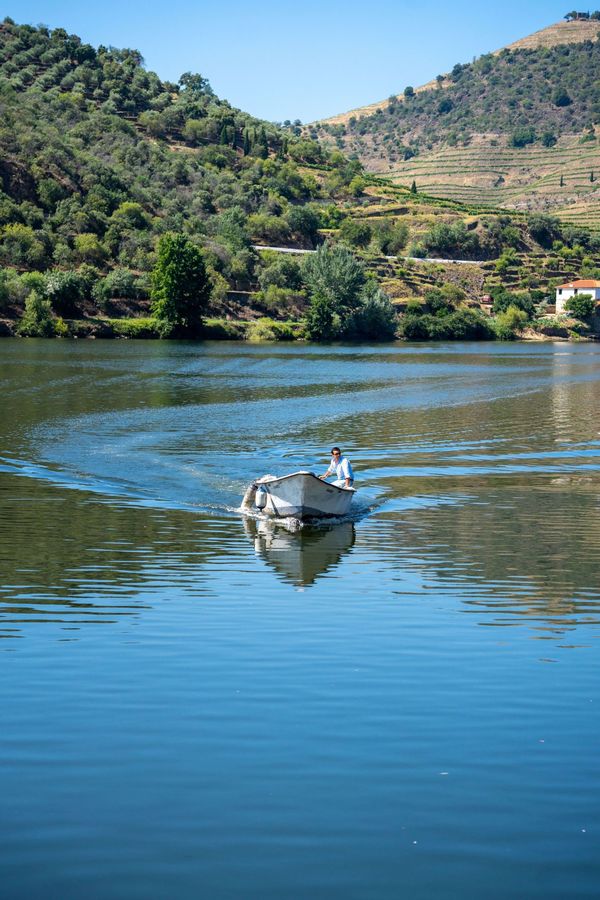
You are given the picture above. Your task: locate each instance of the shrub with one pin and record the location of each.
(64, 290)
(37, 318)
(355, 233)
(266, 329)
(417, 326)
(61, 329)
(468, 325)
(89, 249)
(582, 306)
(561, 98)
(544, 229)
(462, 325)
(222, 330)
(5, 281)
(391, 236)
(452, 241)
(283, 272)
(510, 322)
(503, 300)
(280, 300)
(415, 308)
(120, 283)
(273, 229)
(523, 136)
(445, 299)
(304, 222)
(135, 328)
(20, 245)
(507, 259)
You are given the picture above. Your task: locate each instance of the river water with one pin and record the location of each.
(195, 704)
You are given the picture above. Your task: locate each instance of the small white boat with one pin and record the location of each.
(300, 495)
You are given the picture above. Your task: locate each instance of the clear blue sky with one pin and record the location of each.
(304, 60)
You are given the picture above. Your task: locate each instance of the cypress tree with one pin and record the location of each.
(264, 145)
(413, 187)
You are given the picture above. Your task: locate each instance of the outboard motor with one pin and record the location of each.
(262, 496)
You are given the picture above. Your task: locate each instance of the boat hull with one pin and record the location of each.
(302, 495)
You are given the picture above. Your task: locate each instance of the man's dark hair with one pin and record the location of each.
(333, 450)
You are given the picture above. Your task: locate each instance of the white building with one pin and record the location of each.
(565, 291)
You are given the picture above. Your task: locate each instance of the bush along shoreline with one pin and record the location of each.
(343, 302)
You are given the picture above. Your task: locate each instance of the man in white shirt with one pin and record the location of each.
(342, 468)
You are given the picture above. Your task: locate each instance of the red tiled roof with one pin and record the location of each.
(581, 284)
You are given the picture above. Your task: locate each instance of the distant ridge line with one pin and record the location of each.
(575, 32)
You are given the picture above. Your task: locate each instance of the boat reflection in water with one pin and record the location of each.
(300, 556)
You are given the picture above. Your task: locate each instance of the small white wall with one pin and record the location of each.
(563, 295)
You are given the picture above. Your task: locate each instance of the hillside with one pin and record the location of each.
(515, 128)
(99, 157)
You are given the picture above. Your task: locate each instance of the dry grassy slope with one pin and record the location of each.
(552, 36)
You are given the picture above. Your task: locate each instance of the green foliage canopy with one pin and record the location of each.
(581, 306)
(180, 284)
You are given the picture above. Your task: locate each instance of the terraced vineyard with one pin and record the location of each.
(517, 129)
(563, 179)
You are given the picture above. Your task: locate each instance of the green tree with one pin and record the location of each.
(413, 187)
(64, 290)
(88, 248)
(303, 221)
(180, 285)
(334, 279)
(544, 229)
(375, 318)
(581, 306)
(195, 84)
